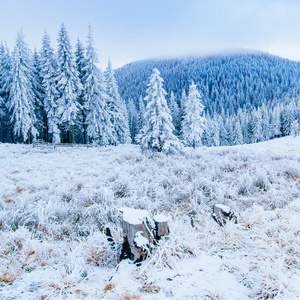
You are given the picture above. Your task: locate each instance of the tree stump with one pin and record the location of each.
(137, 234)
(140, 233)
(161, 226)
(222, 214)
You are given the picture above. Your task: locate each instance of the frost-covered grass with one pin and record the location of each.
(56, 203)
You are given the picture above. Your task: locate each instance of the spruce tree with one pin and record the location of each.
(20, 85)
(99, 127)
(141, 114)
(116, 109)
(157, 133)
(295, 129)
(132, 120)
(175, 113)
(80, 61)
(68, 84)
(192, 126)
(5, 66)
(37, 84)
(48, 65)
(237, 134)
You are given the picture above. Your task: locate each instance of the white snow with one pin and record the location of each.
(160, 218)
(223, 207)
(56, 203)
(134, 216)
(140, 240)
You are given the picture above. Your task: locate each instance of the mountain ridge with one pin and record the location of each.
(227, 81)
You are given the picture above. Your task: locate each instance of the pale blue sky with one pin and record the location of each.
(128, 30)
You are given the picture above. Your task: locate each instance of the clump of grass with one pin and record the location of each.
(131, 296)
(213, 295)
(109, 287)
(8, 276)
(150, 289)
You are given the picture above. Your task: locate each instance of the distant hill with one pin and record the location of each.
(226, 81)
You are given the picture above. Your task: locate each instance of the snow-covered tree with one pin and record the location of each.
(80, 61)
(5, 66)
(257, 126)
(37, 85)
(237, 138)
(21, 92)
(141, 114)
(116, 109)
(295, 128)
(175, 113)
(68, 84)
(157, 133)
(215, 137)
(132, 120)
(48, 71)
(193, 123)
(99, 127)
(275, 122)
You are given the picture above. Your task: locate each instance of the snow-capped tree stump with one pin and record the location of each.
(161, 226)
(140, 233)
(137, 234)
(222, 214)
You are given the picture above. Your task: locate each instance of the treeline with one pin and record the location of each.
(225, 129)
(59, 96)
(226, 82)
(247, 97)
(62, 96)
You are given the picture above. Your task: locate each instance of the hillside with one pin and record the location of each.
(55, 204)
(226, 81)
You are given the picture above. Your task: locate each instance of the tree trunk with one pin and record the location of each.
(73, 134)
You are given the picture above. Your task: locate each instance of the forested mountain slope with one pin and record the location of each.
(226, 81)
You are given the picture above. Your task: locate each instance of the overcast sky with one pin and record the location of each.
(128, 30)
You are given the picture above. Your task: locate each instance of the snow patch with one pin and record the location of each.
(160, 218)
(134, 216)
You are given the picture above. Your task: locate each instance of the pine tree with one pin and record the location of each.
(5, 67)
(257, 128)
(183, 100)
(99, 127)
(237, 134)
(48, 65)
(116, 109)
(175, 113)
(132, 120)
(275, 122)
(21, 92)
(295, 129)
(68, 84)
(215, 133)
(193, 122)
(37, 85)
(141, 114)
(80, 62)
(157, 133)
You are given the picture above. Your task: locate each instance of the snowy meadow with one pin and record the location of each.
(56, 203)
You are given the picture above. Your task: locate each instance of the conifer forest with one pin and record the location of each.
(63, 96)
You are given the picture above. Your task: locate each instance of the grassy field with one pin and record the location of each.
(56, 203)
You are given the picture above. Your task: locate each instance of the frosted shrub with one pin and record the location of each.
(269, 282)
(99, 252)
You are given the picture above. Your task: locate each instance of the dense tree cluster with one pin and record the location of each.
(226, 82)
(247, 98)
(62, 96)
(59, 96)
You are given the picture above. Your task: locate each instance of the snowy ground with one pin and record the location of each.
(55, 203)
